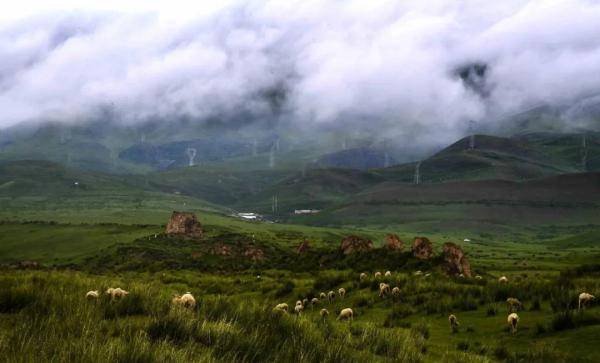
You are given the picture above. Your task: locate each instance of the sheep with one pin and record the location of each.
(92, 295)
(462, 276)
(342, 292)
(330, 296)
(314, 302)
(388, 274)
(384, 289)
(323, 296)
(513, 320)
(513, 303)
(186, 300)
(396, 291)
(283, 307)
(377, 275)
(298, 302)
(324, 314)
(453, 323)
(418, 273)
(116, 293)
(363, 276)
(298, 309)
(427, 274)
(503, 280)
(478, 277)
(346, 314)
(584, 298)
(305, 302)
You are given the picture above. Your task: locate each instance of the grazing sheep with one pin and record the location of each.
(377, 275)
(314, 302)
(342, 292)
(396, 291)
(513, 320)
(305, 302)
(283, 307)
(478, 277)
(428, 274)
(323, 296)
(258, 277)
(92, 295)
(585, 298)
(116, 293)
(363, 276)
(298, 309)
(324, 314)
(513, 303)
(346, 314)
(418, 273)
(503, 280)
(330, 296)
(388, 274)
(462, 276)
(384, 289)
(453, 323)
(298, 302)
(186, 300)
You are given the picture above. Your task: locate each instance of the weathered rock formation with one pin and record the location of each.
(254, 253)
(455, 260)
(184, 223)
(394, 243)
(303, 247)
(422, 248)
(352, 244)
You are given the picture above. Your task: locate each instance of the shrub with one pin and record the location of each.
(563, 321)
(462, 346)
(14, 299)
(492, 310)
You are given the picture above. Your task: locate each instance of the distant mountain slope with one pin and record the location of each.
(362, 158)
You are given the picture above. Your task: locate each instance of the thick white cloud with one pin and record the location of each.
(390, 62)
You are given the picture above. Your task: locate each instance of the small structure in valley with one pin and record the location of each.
(185, 224)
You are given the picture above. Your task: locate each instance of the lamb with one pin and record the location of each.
(396, 291)
(363, 276)
(346, 314)
(503, 280)
(585, 298)
(283, 307)
(513, 303)
(513, 320)
(116, 293)
(384, 289)
(94, 294)
(342, 292)
(453, 323)
(324, 314)
(377, 275)
(388, 274)
(323, 296)
(314, 302)
(186, 300)
(330, 296)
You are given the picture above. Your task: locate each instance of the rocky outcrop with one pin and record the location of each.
(393, 243)
(422, 248)
(303, 247)
(254, 253)
(455, 261)
(352, 244)
(185, 224)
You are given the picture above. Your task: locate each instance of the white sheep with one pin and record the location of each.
(513, 304)
(323, 296)
(363, 276)
(396, 291)
(305, 302)
(384, 289)
(377, 275)
(388, 274)
(342, 292)
(314, 302)
(478, 277)
(585, 298)
(503, 280)
(324, 314)
(330, 296)
(513, 320)
(346, 314)
(462, 276)
(418, 273)
(453, 323)
(298, 309)
(283, 307)
(93, 294)
(428, 274)
(298, 302)
(116, 293)
(186, 300)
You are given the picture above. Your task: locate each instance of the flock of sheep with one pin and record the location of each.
(513, 304)
(187, 300)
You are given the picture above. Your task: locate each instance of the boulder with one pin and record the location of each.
(254, 253)
(394, 243)
(352, 244)
(184, 223)
(455, 261)
(303, 247)
(422, 248)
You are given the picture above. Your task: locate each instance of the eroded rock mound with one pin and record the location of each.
(303, 247)
(184, 223)
(352, 244)
(455, 260)
(394, 243)
(254, 253)
(422, 248)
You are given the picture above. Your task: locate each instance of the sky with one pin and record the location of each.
(386, 64)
